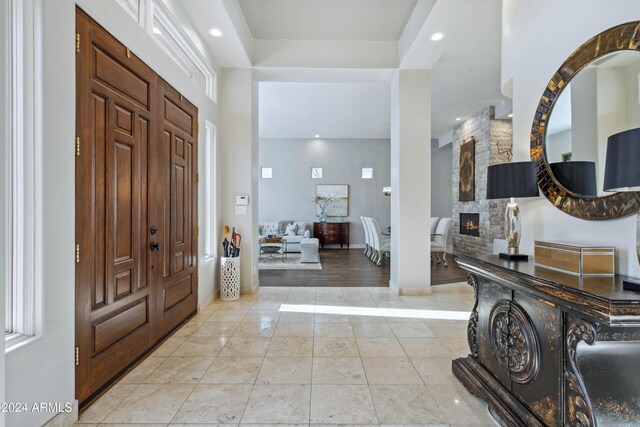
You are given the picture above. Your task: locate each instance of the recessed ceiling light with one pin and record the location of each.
(458, 119)
(510, 115)
(317, 136)
(437, 36)
(216, 32)
(157, 31)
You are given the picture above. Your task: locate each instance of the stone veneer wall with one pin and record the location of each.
(493, 145)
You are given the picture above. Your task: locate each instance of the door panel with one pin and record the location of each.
(129, 296)
(112, 316)
(177, 159)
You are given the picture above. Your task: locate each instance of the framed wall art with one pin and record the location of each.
(467, 172)
(339, 193)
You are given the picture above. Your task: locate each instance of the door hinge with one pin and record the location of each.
(197, 231)
(77, 253)
(77, 43)
(77, 356)
(197, 127)
(197, 281)
(77, 145)
(197, 178)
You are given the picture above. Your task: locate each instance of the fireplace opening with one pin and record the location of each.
(470, 224)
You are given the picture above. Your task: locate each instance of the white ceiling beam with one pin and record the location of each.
(325, 54)
(236, 17)
(414, 25)
(327, 75)
(417, 51)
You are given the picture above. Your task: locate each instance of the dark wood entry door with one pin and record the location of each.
(176, 206)
(136, 208)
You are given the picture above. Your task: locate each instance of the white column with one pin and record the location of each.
(410, 182)
(238, 166)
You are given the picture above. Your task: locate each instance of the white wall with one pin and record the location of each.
(633, 95)
(536, 39)
(239, 167)
(286, 195)
(43, 370)
(584, 117)
(410, 182)
(558, 144)
(612, 95)
(3, 219)
(441, 179)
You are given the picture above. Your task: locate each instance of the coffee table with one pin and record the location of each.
(273, 247)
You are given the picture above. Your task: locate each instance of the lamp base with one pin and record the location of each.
(514, 257)
(628, 285)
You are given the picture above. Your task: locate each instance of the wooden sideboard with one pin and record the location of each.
(551, 349)
(332, 233)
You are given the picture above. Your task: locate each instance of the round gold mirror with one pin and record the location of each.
(594, 94)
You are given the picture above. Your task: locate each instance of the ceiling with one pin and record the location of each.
(358, 41)
(331, 110)
(327, 19)
(466, 78)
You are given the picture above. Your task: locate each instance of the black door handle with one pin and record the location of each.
(155, 246)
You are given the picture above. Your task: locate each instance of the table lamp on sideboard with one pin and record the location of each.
(508, 181)
(622, 173)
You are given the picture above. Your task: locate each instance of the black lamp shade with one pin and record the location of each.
(578, 177)
(511, 180)
(622, 171)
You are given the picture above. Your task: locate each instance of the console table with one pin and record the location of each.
(332, 233)
(551, 349)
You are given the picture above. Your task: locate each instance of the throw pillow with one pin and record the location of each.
(282, 227)
(301, 227)
(290, 230)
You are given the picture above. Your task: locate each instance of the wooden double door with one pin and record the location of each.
(136, 208)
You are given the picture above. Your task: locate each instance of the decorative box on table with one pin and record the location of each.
(575, 258)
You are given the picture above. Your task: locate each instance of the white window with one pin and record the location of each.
(167, 32)
(132, 7)
(173, 39)
(23, 165)
(266, 173)
(210, 236)
(367, 173)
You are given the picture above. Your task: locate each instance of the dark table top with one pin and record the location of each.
(602, 294)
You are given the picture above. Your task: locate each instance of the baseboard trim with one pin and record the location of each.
(415, 291)
(409, 291)
(207, 301)
(64, 419)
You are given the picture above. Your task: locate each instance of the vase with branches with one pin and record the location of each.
(322, 202)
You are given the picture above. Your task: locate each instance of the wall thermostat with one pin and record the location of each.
(242, 200)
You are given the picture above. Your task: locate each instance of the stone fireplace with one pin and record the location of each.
(470, 224)
(493, 145)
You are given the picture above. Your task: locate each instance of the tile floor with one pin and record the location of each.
(305, 356)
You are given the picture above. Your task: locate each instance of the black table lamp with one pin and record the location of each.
(508, 181)
(579, 177)
(621, 173)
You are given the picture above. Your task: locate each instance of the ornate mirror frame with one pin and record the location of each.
(621, 37)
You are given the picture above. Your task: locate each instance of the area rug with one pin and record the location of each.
(291, 262)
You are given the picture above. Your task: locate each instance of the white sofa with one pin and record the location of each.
(279, 227)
